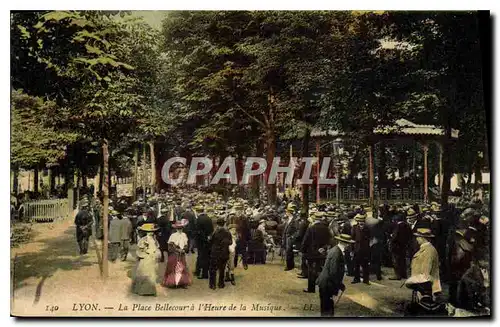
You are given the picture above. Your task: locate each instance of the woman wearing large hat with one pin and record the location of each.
(144, 279)
(177, 273)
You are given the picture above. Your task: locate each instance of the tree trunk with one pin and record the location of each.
(371, 176)
(101, 177)
(134, 177)
(78, 181)
(15, 180)
(35, 180)
(69, 180)
(153, 167)
(305, 187)
(256, 179)
(478, 178)
(110, 184)
(105, 157)
(52, 180)
(144, 171)
(270, 153)
(382, 165)
(447, 166)
(97, 181)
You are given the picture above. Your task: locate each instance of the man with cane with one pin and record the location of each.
(330, 280)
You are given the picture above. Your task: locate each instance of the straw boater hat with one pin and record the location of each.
(435, 207)
(345, 238)
(359, 217)
(291, 207)
(424, 232)
(319, 215)
(149, 227)
(198, 207)
(411, 213)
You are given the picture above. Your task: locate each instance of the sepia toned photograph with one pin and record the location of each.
(248, 164)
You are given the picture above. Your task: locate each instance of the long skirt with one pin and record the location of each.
(177, 274)
(144, 280)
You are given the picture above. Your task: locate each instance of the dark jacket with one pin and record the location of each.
(83, 222)
(301, 233)
(243, 230)
(362, 238)
(83, 218)
(221, 239)
(401, 236)
(317, 236)
(332, 274)
(191, 226)
(204, 228)
(290, 232)
(472, 294)
(164, 232)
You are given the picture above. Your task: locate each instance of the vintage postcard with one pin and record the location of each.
(250, 164)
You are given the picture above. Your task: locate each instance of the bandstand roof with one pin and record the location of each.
(401, 127)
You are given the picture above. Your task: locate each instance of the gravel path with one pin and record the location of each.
(52, 279)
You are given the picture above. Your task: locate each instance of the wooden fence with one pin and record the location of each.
(46, 210)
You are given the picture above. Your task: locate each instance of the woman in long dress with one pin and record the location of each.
(177, 273)
(144, 280)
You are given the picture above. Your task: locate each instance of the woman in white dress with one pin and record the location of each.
(177, 274)
(144, 280)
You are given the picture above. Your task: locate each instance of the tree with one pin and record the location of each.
(95, 91)
(447, 85)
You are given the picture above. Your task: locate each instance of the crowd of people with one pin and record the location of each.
(425, 245)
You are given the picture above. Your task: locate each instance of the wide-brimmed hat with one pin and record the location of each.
(345, 238)
(262, 221)
(149, 227)
(411, 213)
(198, 207)
(359, 217)
(423, 232)
(291, 207)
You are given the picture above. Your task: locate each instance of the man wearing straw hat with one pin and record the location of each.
(361, 235)
(219, 253)
(330, 280)
(426, 261)
(289, 234)
(204, 229)
(314, 247)
(83, 222)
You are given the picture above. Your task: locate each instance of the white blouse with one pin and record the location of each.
(179, 239)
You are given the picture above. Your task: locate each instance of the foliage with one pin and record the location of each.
(33, 142)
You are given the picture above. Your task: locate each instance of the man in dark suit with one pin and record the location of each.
(303, 226)
(361, 235)
(332, 275)
(83, 222)
(400, 239)
(219, 253)
(190, 229)
(314, 247)
(204, 230)
(289, 235)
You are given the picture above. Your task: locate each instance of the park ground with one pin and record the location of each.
(50, 278)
